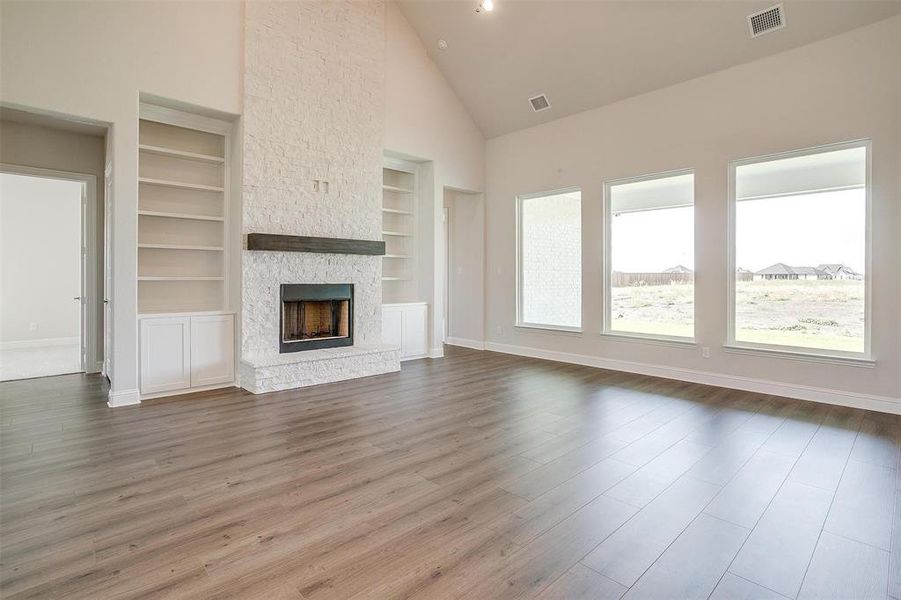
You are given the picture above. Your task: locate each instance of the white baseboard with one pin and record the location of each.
(63, 341)
(463, 342)
(436, 352)
(415, 357)
(789, 390)
(123, 398)
(182, 392)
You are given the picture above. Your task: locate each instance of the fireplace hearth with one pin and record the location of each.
(315, 316)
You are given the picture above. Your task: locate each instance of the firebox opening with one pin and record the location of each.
(315, 320)
(315, 316)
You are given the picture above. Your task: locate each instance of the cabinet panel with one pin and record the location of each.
(392, 327)
(212, 350)
(165, 354)
(415, 331)
(406, 326)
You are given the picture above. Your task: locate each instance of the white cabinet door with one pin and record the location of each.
(393, 326)
(212, 349)
(415, 331)
(165, 354)
(406, 326)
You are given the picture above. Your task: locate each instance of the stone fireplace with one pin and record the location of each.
(312, 146)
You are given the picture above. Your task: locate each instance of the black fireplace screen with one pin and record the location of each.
(315, 316)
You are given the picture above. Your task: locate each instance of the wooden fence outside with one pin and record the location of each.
(630, 279)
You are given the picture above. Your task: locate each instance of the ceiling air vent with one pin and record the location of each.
(539, 103)
(766, 21)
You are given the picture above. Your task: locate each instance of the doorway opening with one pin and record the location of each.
(464, 269)
(45, 325)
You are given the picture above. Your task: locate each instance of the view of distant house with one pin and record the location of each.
(679, 269)
(838, 271)
(782, 271)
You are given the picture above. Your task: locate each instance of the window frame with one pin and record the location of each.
(607, 295)
(519, 280)
(802, 353)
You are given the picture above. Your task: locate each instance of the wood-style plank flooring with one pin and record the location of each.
(479, 475)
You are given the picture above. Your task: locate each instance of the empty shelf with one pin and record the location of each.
(181, 184)
(179, 278)
(162, 151)
(394, 188)
(181, 247)
(174, 215)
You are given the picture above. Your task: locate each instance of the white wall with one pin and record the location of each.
(91, 60)
(424, 120)
(40, 251)
(29, 145)
(465, 264)
(843, 88)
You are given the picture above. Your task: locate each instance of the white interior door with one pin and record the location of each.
(46, 285)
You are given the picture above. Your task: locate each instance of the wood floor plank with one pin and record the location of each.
(541, 562)
(626, 554)
(864, 504)
(582, 583)
(878, 441)
(650, 480)
(842, 568)
(823, 461)
(779, 548)
(547, 510)
(479, 475)
(744, 499)
(733, 587)
(693, 565)
(894, 583)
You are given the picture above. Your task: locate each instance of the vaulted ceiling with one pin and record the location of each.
(590, 53)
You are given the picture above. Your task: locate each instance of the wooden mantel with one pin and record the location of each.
(298, 243)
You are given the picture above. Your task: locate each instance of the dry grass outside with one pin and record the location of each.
(827, 315)
(654, 309)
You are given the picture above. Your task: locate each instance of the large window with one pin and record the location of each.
(800, 254)
(650, 257)
(549, 282)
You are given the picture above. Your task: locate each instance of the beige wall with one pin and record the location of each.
(92, 60)
(465, 267)
(843, 88)
(424, 120)
(30, 145)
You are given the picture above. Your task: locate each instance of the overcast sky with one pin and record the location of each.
(803, 230)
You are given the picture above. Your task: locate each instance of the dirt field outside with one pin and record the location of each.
(824, 314)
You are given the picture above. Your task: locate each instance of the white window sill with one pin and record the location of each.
(829, 359)
(549, 328)
(650, 339)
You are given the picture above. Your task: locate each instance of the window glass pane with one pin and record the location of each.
(800, 251)
(551, 260)
(652, 257)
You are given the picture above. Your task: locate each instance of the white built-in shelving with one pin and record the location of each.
(182, 216)
(399, 197)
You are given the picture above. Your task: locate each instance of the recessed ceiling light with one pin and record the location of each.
(486, 5)
(442, 45)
